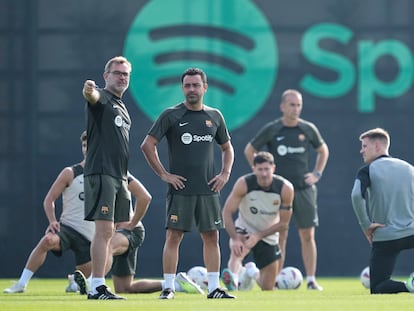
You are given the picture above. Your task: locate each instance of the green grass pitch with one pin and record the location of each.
(338, 294)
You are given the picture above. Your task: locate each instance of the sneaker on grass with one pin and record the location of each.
(103, 293)
(187, 284)
(81, 281)
(410, 283)
(167, 293)
(219, 293)
(228, 280)
(314, 286)
(16, 288)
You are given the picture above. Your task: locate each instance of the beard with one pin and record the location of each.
(121, 87)
(117, 89)
(193, 99)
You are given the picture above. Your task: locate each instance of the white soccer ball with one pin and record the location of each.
(364, 277)
(198, 275)
(289, 278)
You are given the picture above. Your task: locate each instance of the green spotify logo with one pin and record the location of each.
(230, 40)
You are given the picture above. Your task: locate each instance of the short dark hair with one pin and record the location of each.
(193, 72)
(263, 157)
(377, 134)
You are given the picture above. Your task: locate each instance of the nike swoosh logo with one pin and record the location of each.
(182, 124)
(280, 138)
(216, 222)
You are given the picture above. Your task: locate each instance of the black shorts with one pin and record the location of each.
(125, 264)
(106, 198)
(183, 210)
(265, 254)
(73, 240)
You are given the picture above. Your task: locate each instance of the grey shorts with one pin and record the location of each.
(106, 198)
(184, 210)
(73, 240)
(126, 264)
(305, 208)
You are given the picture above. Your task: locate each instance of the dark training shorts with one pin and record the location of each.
(72, 239)
(106, 198)
(305, 209)
(184, 210)
(125, 264)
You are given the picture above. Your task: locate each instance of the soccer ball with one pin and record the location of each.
(289, 278)
(198, 275)
(364, 277)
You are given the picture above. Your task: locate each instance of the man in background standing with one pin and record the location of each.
(290, 140)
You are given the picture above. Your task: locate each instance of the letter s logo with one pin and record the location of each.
(230, 40)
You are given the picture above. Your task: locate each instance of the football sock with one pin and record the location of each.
(25, 277)
(236, 279)
(213, 280)
(96, 282)
(169, 280)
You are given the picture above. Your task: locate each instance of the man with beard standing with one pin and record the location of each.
(191, 128)
(106, 189)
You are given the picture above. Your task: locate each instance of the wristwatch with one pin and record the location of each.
(317, 174)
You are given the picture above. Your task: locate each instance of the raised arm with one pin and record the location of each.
(90, 93)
